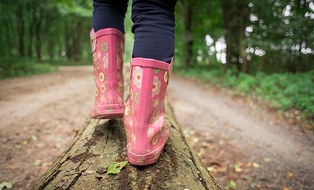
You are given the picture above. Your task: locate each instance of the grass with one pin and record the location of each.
(283, 90)
(65, 62)
(23, 67)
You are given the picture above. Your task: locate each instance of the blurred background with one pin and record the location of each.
(249, 44)
(248, 53)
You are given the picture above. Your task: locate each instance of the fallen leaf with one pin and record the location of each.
(267, 160)
(290, 175)
(37, 162)
(258, 186)
(237, 168)
(285, 188)
(232, 184)
(34, 138)
(256, 165)
(5, 184)
(39, 145)
(252, 185)
(115, 168)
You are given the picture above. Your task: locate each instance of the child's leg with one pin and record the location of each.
(144, 118)
(107, 37)
(154, 29)
(109, 14)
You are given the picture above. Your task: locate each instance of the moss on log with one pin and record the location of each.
(102, 142)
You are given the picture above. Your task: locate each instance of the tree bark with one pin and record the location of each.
(33, 11)
(38, 30)
(187, 33)
(244, 19)
(102, 142)
(77, 45)
(234, 25)
(68, 40)
(21, 29)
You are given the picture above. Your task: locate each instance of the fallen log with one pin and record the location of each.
(102, 142)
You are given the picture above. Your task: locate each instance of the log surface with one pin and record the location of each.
(102, 142)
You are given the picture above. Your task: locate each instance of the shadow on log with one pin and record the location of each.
(102, 142)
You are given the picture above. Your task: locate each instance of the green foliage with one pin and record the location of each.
(45, 30)
(232, 184)
(116, 168)
(269, 36)
(19, 68)
(77, 7)
(288, 90)
(283, 90)
(129, 36)
(246, 83)
(284, 29)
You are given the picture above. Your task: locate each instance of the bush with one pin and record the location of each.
(246, 83)
(9, 69)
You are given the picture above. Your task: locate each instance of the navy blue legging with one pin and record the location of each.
(153, 25)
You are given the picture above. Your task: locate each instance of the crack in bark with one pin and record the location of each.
(74, 181)
(200, 176)
(122, 156)
(49, 179)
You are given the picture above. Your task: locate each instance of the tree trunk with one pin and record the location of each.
(244, 19)
(187, 33)
(8, 31)
(245, 65)
(50, 49)
(233, 13)
(68, 40)
(38, 29)
(31, 30)
(77, 45)
(21, 29)
(102, 142)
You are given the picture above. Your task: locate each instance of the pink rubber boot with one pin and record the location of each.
(107, 48)
(144, 118)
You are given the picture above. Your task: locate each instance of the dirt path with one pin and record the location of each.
(244, 136)
(39, 116)
(236, 139)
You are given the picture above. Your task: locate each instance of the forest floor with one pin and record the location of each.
(244, 144)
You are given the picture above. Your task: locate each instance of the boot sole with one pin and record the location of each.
(133, 157)
(116, 113)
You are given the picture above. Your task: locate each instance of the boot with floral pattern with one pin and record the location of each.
(144, 117)
(107, 48)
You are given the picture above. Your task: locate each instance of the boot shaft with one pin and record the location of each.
(145, 114)
(107, 49)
